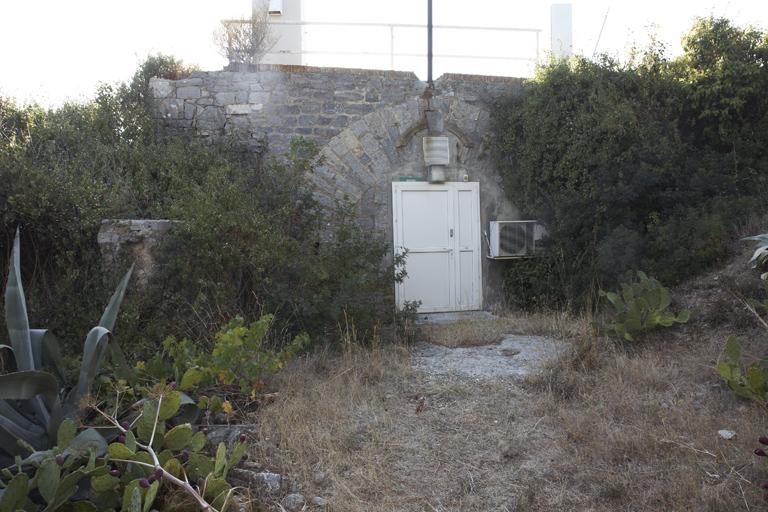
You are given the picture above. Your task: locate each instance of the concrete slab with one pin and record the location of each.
(453, 316)
(515, 357)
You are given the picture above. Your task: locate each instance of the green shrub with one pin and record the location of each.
(239, 359)
(253, 240)
(638, 165)
(639, 307)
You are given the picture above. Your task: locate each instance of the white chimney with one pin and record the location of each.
(562, 30)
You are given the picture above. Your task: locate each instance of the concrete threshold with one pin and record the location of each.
(453, 316)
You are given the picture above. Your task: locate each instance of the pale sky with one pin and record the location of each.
(52, 50)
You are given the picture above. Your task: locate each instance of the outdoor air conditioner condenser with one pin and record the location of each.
(513, 239)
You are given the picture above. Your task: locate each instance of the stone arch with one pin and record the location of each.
(363, 160)
(385, 145)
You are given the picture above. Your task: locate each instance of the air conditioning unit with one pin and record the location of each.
(513, 239)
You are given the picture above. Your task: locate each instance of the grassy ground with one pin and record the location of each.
(601, 428)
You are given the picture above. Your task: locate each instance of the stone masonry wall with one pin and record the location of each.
(277, 103)
(369, 126)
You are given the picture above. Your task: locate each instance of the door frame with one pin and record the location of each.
(456, 251)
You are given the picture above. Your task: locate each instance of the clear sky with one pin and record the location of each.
(51, 50)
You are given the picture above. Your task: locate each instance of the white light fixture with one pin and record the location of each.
(436, 156)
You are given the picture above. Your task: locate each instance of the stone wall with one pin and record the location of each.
(369, 126)
(277, 103)
(140, 242)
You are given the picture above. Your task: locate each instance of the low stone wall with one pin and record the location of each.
(123, 242)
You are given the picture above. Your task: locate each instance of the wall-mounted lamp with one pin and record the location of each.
(436, 157)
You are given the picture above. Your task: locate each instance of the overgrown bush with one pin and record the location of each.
(638, 165)
(252, 239)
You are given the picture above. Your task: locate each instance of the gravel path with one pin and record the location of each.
(515, 357)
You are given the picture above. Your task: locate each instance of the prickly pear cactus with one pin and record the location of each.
(640, 306)
(148, 455)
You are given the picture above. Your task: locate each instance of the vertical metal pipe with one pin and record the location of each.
(392, 47)
(429, 42)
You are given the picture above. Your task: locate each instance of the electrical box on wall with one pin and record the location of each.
(275, 6)
(436, 156)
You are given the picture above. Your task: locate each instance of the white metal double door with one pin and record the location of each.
(439, 226)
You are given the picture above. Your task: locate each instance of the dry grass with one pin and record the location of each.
(602, 428)
(466, 333)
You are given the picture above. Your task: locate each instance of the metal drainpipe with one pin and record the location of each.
(429, 42)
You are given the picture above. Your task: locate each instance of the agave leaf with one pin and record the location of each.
(110, 314)
(93, 353)
(16, 312)
(759, 238)
(28, 384)
(36, 386)
(80, 447)
(18, 326)
(10, 432)
(45, 348)
(760, 254)
(108, 322)
(10, 410)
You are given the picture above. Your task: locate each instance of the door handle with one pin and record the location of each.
(451, 232)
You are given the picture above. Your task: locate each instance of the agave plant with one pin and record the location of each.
(32, 406)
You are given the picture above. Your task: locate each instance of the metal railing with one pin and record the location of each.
(393, 54)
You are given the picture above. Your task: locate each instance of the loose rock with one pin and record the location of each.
(293, 501)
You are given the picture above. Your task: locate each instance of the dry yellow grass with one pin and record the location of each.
(602, 428)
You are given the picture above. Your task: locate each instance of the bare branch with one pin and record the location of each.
(246, 40)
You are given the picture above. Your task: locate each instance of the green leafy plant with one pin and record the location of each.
(57, 476)
(748, 382)
(637, 164)
(31, 407)
(239, 358)
(640, 306)
(405, 321)
(149, 455)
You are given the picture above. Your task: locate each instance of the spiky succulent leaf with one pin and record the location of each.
(16, 312)
(169, 405)
(33, 386)
(221, 460)
(724, 369)
(755, 379)
(45, 348)
(149, 496)
(178, 437)
(93, 353)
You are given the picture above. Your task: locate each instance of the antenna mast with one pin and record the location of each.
(429, 42)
